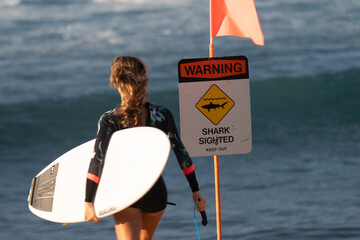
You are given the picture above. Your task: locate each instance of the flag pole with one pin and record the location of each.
(217, 197)
(211, 45)
(216, 157)
(216, 172)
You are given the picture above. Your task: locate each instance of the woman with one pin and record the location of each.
(139, 221)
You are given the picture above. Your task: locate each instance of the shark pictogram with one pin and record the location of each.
(213, 106)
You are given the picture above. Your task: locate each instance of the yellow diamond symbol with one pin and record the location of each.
(215, 104)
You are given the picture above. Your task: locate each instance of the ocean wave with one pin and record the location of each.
(324, 96)
(9, 3)
(14, 3)
(315, 97)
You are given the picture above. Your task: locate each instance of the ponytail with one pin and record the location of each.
(130, 75)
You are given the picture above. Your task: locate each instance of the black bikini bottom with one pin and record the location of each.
(154, 200)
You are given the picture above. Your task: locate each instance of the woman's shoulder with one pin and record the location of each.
(158, 109)
(159, 113)
(107, 116)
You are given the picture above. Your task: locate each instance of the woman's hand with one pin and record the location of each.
(201, 201)
(90, 213)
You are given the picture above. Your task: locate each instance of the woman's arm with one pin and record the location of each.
(105, 130)
(181, 153)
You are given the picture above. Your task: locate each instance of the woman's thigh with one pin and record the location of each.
(128, 223)
(149, 223)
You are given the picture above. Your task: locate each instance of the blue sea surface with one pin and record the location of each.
(301, 180)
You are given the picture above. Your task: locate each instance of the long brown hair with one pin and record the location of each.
(130, 75)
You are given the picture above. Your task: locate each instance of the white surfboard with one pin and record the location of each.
(134, 161)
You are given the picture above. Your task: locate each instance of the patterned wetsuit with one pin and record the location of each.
(159, 117)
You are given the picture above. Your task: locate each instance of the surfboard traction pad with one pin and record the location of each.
(42, 189)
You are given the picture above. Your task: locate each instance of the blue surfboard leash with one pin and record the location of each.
(204, 219)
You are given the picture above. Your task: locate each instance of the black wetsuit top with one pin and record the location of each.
(158, 117)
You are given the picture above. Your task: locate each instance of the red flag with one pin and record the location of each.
(235, 18)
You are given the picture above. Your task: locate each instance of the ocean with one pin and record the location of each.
(301, 180)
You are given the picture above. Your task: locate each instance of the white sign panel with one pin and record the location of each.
(215, 115)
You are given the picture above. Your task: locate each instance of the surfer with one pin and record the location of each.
(139, 221)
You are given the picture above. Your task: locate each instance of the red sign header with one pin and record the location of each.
(213, 68)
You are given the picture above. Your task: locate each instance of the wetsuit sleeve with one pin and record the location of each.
(181, 153)
(105, 131)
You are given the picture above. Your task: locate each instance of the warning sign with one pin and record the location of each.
(215, 116)
(215, 104)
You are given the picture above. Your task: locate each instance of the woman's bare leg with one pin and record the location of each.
(128, 224)
(149, 223)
